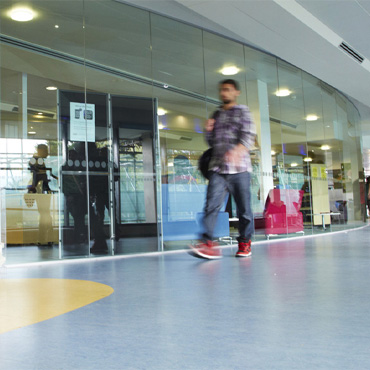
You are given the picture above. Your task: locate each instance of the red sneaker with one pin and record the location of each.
(245, 249)
(206, 250)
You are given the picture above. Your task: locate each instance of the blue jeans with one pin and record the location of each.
(237, 185)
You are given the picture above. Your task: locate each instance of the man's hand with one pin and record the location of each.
(235, 155)
(210, 124)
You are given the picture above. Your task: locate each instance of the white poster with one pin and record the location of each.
(82, 125)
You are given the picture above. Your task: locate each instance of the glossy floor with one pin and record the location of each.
(296, 304)
(30, 253)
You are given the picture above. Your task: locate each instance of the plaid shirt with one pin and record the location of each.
(233, 126)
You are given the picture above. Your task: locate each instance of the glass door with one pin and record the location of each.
(108, 202)
(136, 156)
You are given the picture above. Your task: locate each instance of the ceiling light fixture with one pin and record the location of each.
(325, 147)
(56, 26)
(283, 92)
(312, 117)
(230, 70)
(51, 88)
(273, 152)
(31, 132)
(294, 164)
(161, 127)
(161, 112)
(307, 159)
(21, 14)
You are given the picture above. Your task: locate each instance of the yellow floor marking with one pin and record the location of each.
(28, 301)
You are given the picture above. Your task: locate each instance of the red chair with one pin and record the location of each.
(282, 212)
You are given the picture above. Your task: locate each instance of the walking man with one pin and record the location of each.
(230, 132)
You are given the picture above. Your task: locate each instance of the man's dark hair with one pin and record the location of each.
(230, 81)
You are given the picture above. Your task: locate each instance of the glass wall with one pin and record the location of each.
(101, 129)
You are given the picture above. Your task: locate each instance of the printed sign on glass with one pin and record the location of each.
(82, 125)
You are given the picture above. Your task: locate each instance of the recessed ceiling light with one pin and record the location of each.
(31, 132)
(230, 70)
(39, 113)
(312, 117)
(294, 164)
(307, 159)
(56, 26)
(51, 88)
(283, 92)
(161, 112)
(325, 147)
(21, 14)
(273, 152)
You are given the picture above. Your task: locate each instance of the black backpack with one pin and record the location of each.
(203, 162)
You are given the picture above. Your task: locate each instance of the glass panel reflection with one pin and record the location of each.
(109, 177)
(132, 180)
(135, 184)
